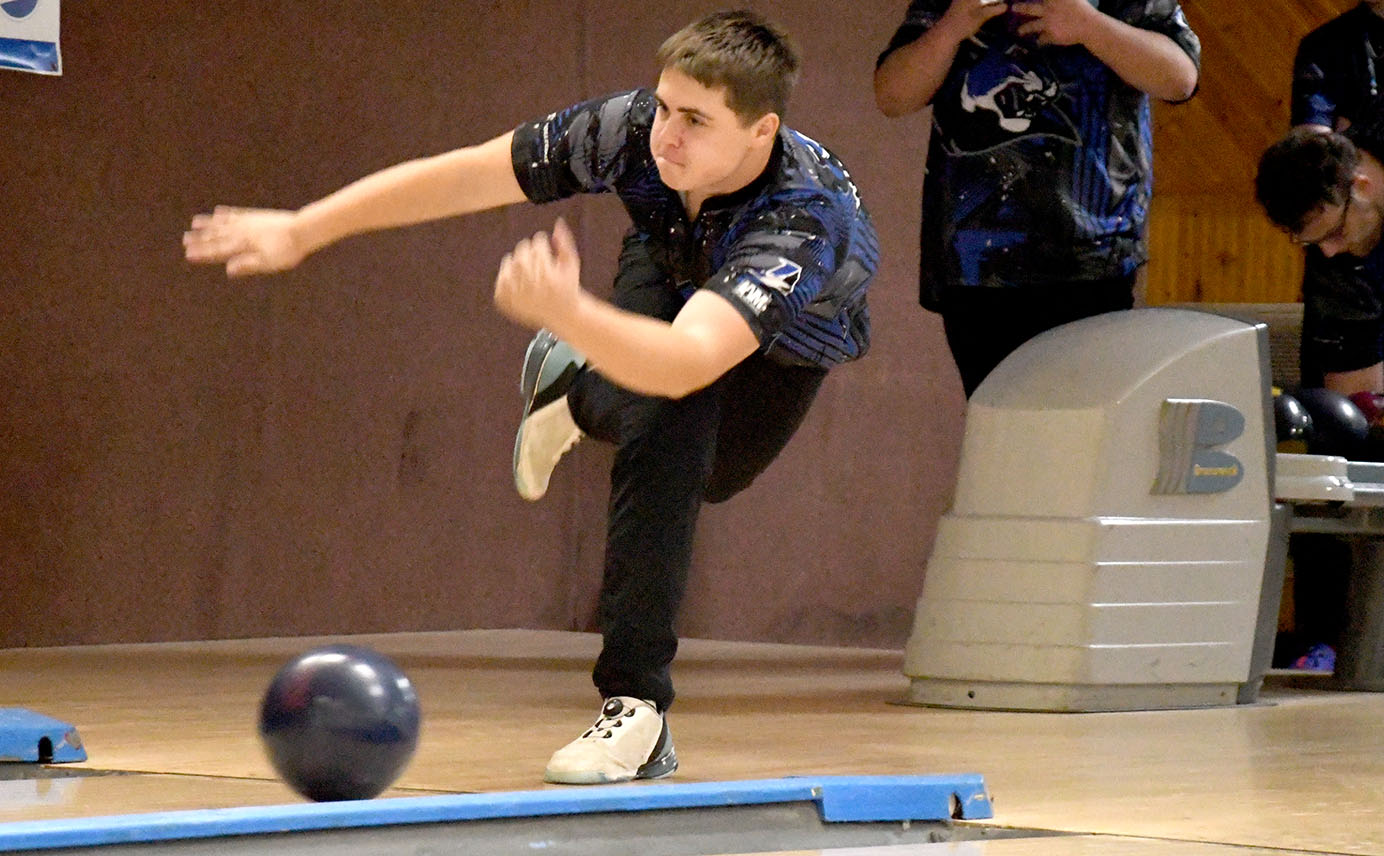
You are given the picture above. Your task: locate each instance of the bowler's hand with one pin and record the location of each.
(539, 284)
(968, 16)
(1056, 22)
(248, 240)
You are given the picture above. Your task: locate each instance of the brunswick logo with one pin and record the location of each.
(1189, 434)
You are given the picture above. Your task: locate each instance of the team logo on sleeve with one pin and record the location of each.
(784, 277)
(754, 287)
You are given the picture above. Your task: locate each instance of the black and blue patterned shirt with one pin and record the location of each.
(1039, 167)
(794, 251)
(1336, 72)
(1343, 296)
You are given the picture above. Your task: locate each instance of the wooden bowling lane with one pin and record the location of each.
(1304, 771)
(89, 796)
(1082, 845)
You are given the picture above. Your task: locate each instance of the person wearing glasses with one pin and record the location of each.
(1326, 189)
(1335, 82)
(1335, 85)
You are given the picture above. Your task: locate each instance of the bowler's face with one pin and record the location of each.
(698, 142)
(1351, 228)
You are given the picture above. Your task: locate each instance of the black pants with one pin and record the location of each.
(1342, 317)
(672, 454)
(1321, 583)
(984, 325)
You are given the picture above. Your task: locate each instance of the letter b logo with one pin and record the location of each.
(1189, 434)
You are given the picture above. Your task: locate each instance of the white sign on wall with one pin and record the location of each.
(29, 36)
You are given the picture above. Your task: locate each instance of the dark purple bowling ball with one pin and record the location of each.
(1291, 420)
(1338, 425)
(340, 723)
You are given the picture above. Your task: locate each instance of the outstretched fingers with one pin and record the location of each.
(211, 241)
(248, 240)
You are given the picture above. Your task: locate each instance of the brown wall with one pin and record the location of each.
(328, 451)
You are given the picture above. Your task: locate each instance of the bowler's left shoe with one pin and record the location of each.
(546, 430)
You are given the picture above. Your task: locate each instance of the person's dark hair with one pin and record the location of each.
(1304, 172)
(752, 58)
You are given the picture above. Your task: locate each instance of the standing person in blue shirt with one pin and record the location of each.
(1039, 165)
(741, 281)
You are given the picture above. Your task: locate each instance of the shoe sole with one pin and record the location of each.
(539, 375)
(535, 355)
(665, 767)
(533, 485)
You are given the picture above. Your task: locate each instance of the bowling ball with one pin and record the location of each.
(1292, 422)
(1338, 425)
(339, 722)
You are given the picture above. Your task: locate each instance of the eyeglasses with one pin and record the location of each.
(1335, 234)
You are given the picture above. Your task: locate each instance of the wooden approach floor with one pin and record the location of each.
(1302, 772)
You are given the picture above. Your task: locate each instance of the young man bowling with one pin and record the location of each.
(741, 282)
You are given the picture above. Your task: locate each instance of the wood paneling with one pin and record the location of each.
(1209, 240)
(1215, 249)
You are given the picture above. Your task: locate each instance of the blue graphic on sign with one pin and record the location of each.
(18, 8)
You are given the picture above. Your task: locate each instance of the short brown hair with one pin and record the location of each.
(1303, 173)
(752, 58)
